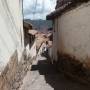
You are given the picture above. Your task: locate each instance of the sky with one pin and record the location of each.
(39, 9)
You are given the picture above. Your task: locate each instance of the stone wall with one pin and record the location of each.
(13, 74)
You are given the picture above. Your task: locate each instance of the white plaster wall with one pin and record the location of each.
(11, 30)
(74, 33)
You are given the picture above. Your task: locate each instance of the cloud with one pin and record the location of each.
(38, 10)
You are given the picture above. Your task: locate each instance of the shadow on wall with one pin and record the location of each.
(56, 80)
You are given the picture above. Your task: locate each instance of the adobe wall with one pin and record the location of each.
(71, 43)
(74, 33)
(11, 42)
(11, 30)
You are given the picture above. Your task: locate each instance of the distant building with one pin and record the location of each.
(50, 29)
(28, 37)
(27, 25)
(71, 34)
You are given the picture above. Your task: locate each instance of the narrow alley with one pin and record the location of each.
(44, 44)
(44, 76)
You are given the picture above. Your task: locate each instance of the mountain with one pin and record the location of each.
(40, 24)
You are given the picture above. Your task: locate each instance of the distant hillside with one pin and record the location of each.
(40, 24)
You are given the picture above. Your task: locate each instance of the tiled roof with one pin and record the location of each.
(27, 25)
(64, 5)
(61, 3)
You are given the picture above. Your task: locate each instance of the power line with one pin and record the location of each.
(35, 6)
(43, 6)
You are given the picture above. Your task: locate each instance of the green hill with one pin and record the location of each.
(40, 24)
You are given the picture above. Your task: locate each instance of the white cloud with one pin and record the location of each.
(42, 8)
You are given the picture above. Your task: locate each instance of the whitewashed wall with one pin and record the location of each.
(74, 33)
(11, 30)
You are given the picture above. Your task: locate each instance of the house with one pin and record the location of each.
(27, 25)
(11, 40)
(13, 52)
(28, 37)
(71, 35)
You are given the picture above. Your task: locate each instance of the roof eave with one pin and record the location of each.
(62, 9)
(58, 12)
